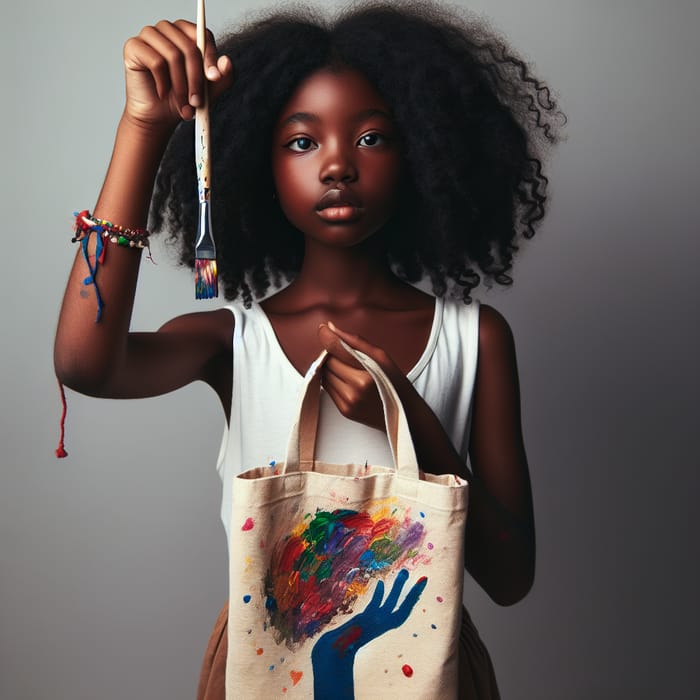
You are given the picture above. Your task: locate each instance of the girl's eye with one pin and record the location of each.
(300, 144)
(371, 140)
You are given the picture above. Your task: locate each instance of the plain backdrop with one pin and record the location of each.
(113, 561)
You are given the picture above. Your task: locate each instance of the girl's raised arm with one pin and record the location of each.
(165, 79)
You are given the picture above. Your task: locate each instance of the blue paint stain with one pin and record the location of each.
(246, 599)
(272, 463)
(414, 634)
(434, 627)
(271, 668)
(422, 514)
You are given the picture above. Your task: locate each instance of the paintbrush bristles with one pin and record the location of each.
(205, 279)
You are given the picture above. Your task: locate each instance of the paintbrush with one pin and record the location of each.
(205, 273)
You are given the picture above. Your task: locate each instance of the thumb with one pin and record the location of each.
(219, 73)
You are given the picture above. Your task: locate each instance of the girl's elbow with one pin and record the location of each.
(512, 591)
(508, 580)
(85, 377)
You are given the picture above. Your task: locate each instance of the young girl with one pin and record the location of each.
(351, 156)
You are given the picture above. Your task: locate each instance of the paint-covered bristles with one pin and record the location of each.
(205, 279)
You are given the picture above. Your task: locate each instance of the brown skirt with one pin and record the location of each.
(477, 680)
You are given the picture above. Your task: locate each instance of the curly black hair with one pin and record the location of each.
(473, 120)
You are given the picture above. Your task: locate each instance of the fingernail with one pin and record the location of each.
(187, 113)
(213, 73)
(195, 100)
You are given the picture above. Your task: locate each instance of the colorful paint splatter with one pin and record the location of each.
(329, 560)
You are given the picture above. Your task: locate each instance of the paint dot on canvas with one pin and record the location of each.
(271, 667)
(407, 670)
(421, 513)
(430, 545)
(259, 651)
(439, 599)
(415, 634)
(295, 676)
(249, 524)
(246, 598)
(433, 627)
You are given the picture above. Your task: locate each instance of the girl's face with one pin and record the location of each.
(335, 158)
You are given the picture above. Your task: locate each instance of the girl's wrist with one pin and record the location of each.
(151, 136)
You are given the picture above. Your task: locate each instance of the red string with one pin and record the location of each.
(61, 450)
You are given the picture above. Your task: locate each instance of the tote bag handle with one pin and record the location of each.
(302, 440)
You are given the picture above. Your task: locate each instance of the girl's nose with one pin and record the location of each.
(338, 165)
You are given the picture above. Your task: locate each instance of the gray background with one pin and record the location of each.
(113, 562)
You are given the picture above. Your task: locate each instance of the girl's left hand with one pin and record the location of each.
(349, 385)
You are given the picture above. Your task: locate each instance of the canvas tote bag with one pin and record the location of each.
(345, 581)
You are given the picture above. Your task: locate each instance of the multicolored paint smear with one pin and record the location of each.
(329, 560)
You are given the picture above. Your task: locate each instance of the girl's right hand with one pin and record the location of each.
(165, 74)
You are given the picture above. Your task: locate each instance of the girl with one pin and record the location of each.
(351, 157)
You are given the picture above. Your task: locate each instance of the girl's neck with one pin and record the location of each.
(343, 278)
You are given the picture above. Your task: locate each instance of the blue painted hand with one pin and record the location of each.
(333, 655)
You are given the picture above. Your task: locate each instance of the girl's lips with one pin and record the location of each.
(338, 199)
(344, 213)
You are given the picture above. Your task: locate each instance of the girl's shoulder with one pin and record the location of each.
(211, 326)
(497, 363)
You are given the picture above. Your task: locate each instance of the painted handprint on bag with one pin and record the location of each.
(333, 655)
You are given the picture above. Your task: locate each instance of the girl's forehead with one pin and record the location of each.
(330, 93)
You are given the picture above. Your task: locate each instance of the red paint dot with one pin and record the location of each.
(439, 599)
(259, 651)
(407, 670)
(249, 524)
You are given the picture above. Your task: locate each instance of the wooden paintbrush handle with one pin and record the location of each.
(202, 115)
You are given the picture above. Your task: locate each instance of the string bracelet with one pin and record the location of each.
(85, 226)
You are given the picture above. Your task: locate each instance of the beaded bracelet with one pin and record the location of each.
(85, 224)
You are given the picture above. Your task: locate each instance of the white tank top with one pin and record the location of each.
(266, 388)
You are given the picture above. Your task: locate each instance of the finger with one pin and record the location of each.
(334, 390)
(396, 589)
(353, 374)
(172, 59)
(359, 343)
(352, 384)
(141, 57)
(187, 61)
(376, 597)
(217, 69)
(220, 85)
(330, 340)
(409, 602)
